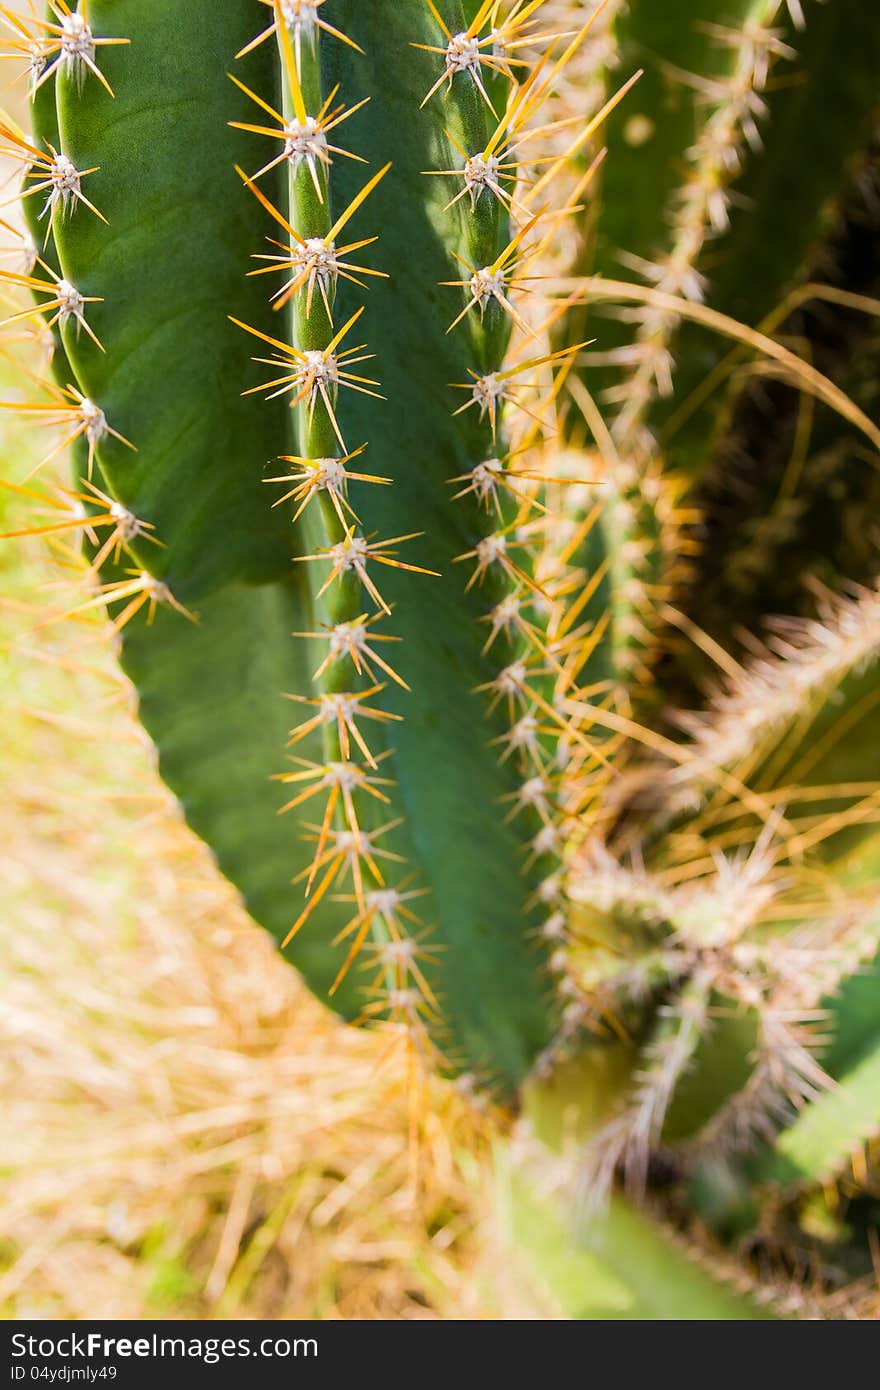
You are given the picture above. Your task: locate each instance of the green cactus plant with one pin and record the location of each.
(402, 537)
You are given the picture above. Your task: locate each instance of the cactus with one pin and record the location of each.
(402, 536)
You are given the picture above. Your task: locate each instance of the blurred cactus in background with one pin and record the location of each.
(473, 420)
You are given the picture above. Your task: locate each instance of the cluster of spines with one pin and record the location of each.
(46, 45)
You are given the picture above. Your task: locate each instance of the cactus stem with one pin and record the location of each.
(801, 660)
(711, 965)
(74, 45)
(701, 206)
(629, 1139)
